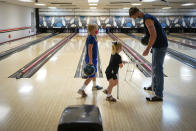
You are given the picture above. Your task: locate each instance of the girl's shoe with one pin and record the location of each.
(111, 99)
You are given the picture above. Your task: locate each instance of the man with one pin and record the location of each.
(158, 42)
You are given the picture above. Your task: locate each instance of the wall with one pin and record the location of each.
(13, 16)
(114, 21)
(114, 12)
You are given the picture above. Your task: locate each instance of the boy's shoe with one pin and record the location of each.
(154, 98)
(110, 99)
(97, 87)
(82, 92)
(105, 91)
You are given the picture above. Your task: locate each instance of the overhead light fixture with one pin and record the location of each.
(40, 4)
(93, 7)
(136, 4)
(93, 1)
(26, 0)
(187, 4)
(126, 8)
(166, 8)
(148, 0)
(93, 4)
(52, 7)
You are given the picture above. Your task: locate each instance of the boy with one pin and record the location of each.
(91, 57)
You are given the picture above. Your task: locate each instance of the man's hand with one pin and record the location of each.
(146, 51)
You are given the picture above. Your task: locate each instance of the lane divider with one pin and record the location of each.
(22, 72)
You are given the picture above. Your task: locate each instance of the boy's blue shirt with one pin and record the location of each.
(91, 40)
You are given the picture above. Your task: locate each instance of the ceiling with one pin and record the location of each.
(106, 4)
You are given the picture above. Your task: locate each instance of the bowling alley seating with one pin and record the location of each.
(81, 118)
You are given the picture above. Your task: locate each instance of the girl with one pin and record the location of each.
(112, 70)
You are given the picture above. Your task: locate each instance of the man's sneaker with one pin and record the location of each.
(82, 92)
(97, 87)
(148, 88)
(154, 98)
(105, 91)
(111, 99)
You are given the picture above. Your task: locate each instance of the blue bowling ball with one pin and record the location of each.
(89, 70)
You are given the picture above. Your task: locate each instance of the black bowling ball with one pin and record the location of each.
(145, 40)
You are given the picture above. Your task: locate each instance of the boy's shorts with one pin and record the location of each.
(95, 65)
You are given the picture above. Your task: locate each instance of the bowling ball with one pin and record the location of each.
(145, 40)
(89, 70)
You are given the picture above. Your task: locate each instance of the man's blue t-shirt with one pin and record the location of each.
(91, 40)
(161, 40)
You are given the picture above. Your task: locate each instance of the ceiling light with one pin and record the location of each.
(93, 1)
(166, 8)
(188, 4)
(52, 7)
(93, 7)
(135, 4)
(148, 0)
(26, 0)
(93, 4)
(40, 4)
(126, 8)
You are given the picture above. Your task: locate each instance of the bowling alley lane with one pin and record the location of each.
(10, 45)
(172, 66)
(16, 61)
(54, 87)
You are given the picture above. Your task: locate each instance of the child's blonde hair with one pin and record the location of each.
(116, 47)
(92, 27)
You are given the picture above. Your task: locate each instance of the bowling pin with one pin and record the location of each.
(107, 21)
(72, 21)
(88, 20)
(114, 22)
(98, 22)
(191, 21)
(133, 22)
(52, 22)
(80, 23)
(183, 22)
(63, 21)
(44, 22)
(167, 21)
(123, 20)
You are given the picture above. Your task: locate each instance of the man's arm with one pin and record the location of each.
(90, 48)
(153, 35)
